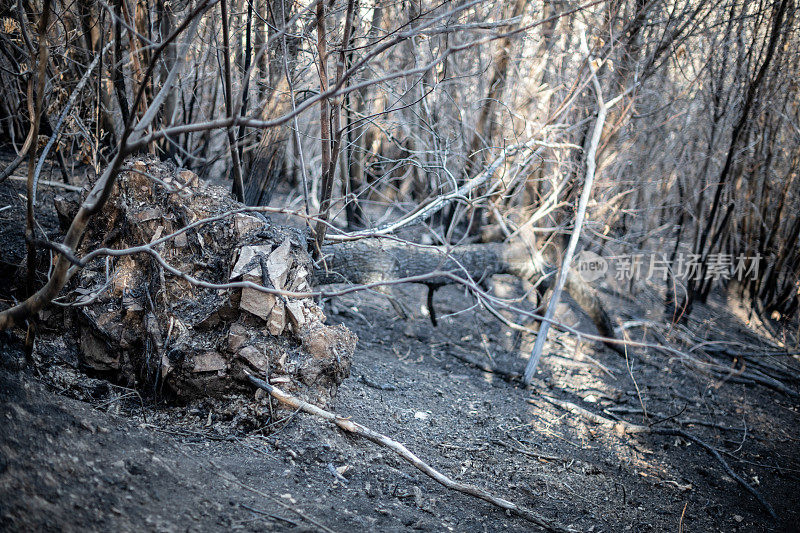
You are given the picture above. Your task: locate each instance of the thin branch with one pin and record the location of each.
(591, 164)
(425, 211)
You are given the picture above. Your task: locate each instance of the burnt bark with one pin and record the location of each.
(198, 323)
(267, 163)
(376, 260)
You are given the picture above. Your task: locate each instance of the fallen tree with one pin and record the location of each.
(373, 260)
(175, 284)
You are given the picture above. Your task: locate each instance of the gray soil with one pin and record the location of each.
(78, 453)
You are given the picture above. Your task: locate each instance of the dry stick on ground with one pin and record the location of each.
(363, 431)
(622, 427)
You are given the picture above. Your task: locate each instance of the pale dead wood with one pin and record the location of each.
(591, 164)
(48, 183)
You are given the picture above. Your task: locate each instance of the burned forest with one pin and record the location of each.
(399, 265)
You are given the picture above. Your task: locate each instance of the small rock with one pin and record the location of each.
(237, 336)
(244, 224)
(254, 356)
(279, 263)
(208, 362)
(277, 318)
(254, 301)
(294, 309)
(181, 240)
(245, 264)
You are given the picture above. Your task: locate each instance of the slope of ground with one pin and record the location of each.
(78, 453)
(68, 464)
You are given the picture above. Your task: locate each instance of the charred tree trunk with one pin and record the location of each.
(358, 139)
(374, 260)
(267, 163)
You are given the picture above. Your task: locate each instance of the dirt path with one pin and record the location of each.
(74, 465)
